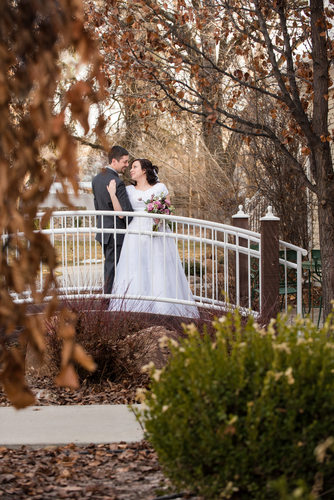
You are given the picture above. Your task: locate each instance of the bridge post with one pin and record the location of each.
(269, 265)
(241, 220)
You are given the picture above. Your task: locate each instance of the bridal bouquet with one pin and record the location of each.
(159, 205)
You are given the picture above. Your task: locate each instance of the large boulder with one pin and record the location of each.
(145, 346)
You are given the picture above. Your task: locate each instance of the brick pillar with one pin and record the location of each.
(269, 265)
(241, 220)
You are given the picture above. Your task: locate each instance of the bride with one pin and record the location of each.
(149, 265)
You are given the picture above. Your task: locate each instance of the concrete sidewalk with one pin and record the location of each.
(39, 426)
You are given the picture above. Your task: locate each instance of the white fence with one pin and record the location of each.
(210, 255)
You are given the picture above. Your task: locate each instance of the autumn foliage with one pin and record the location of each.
(225, 62)
(34, 36)
(222, 62)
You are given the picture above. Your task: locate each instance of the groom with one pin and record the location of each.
(111, 243)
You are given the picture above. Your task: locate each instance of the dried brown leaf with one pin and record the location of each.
(84, 359)
(68, 377)
(36, 328)
(13, 381)
(66, 331)
(66, 352)
(17, 277)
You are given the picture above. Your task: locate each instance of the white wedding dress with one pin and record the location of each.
(150, 266)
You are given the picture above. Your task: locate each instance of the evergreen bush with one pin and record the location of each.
(193, 268)
(248, 415)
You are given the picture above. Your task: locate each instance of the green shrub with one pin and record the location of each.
(194, 269)
(249, 415)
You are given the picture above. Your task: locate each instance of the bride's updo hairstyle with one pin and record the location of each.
(151, 170)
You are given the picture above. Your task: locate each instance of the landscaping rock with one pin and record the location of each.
(144, 347)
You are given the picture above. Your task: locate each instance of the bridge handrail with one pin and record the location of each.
(177, 218)
(290, 246)
(187, 220)
(222, 250)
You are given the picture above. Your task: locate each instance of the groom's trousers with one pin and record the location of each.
(112, 251)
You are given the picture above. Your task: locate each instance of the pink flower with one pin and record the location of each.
(159, 205)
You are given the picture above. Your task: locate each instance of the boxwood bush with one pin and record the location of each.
(249, 414)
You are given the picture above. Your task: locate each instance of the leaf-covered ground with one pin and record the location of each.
(114, 471)
(104, 392)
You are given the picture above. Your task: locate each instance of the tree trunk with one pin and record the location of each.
(321, 155)
(132, 120)
(326, 235)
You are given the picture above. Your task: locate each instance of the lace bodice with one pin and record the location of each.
(137, 197)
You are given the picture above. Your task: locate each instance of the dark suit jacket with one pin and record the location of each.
(102, 201)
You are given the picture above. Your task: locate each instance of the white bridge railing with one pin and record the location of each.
(210, 255)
